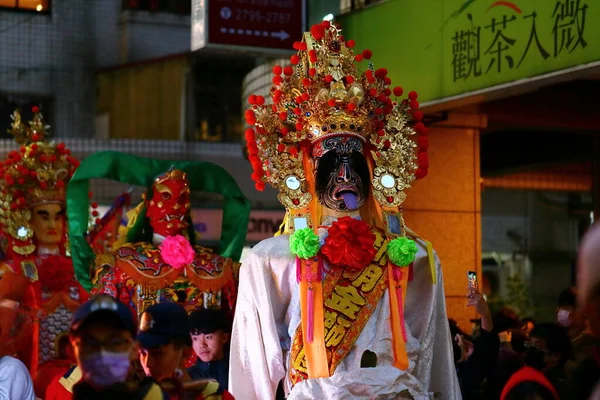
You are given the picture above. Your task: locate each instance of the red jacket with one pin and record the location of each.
(61, 387)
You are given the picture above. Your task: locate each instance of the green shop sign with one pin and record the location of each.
(444, 48)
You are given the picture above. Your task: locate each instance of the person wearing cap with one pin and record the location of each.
(165, 345)
(209, 329)
(164, 341)
(102, 335)
(529, 383)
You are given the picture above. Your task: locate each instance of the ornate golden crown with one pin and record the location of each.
(37, 173)
(323, 94)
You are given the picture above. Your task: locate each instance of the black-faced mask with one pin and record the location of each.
(342, 174)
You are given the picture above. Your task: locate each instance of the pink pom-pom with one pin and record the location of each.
(177, 251)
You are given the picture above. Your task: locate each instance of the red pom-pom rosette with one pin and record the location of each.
(349, 244)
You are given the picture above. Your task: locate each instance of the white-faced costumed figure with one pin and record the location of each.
(347, 302)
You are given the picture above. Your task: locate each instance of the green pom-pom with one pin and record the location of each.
(402, 251)
(305, 243)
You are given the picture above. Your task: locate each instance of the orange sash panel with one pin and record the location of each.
(316, 358)
(397, 319)
(349, 301)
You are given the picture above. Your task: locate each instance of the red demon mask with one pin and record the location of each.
(169, 206)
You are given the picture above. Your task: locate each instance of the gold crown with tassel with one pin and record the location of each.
(323, 94)
(36, 173)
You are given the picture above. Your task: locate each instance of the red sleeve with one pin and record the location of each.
(56, 391)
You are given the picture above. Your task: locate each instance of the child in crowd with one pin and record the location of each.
(102, 335)
(210, 330)
(164, 346)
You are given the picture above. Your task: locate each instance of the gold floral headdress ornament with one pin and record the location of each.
(323, 94)
(37, 173)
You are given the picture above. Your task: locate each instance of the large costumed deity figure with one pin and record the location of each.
(32, 220)
(159, 260)
(348, 303)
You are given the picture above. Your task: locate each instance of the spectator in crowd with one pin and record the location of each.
(587, 375)
(475, 361)
(527, 325)
(164, 341)
(210, 330)
(548, 352)
(65, 361)
(518, 341)
(566, 312)
(528, 383)
(102, 335)
(506, 321)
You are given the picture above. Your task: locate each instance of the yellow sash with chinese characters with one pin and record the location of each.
(350, 297)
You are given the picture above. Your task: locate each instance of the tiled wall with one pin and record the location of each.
(56, 55)
(445, 209)
(52, 55)
(146, 35)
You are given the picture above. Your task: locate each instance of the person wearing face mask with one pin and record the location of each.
(548, 350)
(102, 335)
(565, 311)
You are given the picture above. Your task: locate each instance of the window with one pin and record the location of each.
(217, 98)
(10, 103)
(27, 5)
(170, 6)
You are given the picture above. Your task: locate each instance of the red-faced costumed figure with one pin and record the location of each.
(34, 232)
(160, 260)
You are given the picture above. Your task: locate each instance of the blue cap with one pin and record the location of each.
(162, 323)
(105, 304)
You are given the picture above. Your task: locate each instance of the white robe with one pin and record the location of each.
(268, 314)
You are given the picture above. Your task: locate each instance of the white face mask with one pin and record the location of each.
(564, 318)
